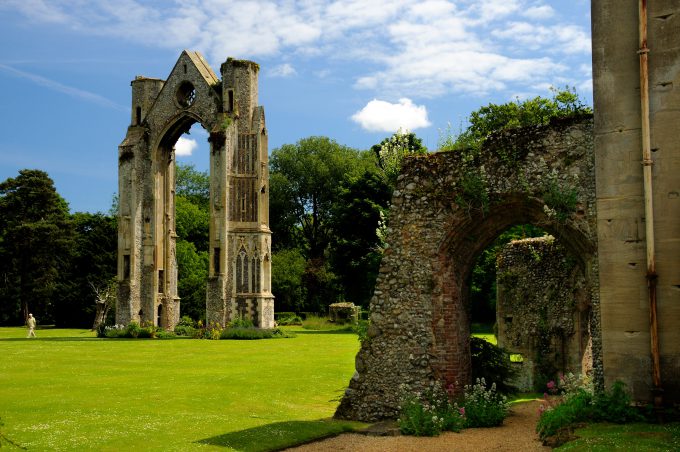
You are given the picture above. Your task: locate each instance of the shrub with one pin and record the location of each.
(428, 415)
(212, 331)
(361, 329)
(114, 331)
(313, 322)
(162, 334)
(132, 330)
(253, 333)
(186, 321)
(484, 407)
(185, 330)
(289, 319)
(241, 322)
(148, 330)
(492, 364)
(579, 404)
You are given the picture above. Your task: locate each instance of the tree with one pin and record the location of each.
(493, 118)
(35, 239)
(283, 220)
(306, 181)
(288, 266)
(105, 300)
(391, 152)
(192, 184)
(192, 223)
(356, 252)
(310, 173)
(192, 276)
(90, 267)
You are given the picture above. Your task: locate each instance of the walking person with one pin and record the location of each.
(31, 326)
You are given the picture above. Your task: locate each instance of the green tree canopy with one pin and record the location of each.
(192, 223)
(35, 240)
(356, 251)
(288, 266)
(192, 184)
(305, 184)
(192, 276)
(495, 117)
(91, 267)
(307, 179)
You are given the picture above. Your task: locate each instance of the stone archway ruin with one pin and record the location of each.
(447, 208)
(542, 311)
(239, 282)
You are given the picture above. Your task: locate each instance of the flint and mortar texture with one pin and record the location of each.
(419, 332)
(542, 311)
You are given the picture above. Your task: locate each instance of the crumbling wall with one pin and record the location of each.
(446, 209)
(542, 311)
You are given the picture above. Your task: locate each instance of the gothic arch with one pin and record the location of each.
(447, 208)
(162, 110)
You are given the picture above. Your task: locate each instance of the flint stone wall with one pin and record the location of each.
(542, 311)
(419, 332)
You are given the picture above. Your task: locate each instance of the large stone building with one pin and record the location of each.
(639, 250)
(239, 283)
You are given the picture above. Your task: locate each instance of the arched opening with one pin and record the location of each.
(159, 316)
(543, 348)
(182, 218)
(482, 279)
(528, 295)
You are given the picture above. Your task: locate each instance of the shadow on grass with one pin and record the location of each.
(280, 435)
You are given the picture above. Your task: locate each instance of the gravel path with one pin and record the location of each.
(516, 434)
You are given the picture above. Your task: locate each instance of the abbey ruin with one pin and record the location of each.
(622, 168)
(239, 283)
(606, 187)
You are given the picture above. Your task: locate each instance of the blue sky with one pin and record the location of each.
(353, 70)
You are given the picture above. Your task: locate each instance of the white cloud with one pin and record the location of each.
(539, 12)
(282, 70)
(566, 39)
(398, 48)
(185, 147)
(382, 116)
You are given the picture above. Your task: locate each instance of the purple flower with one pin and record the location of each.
(551, 384)
(461, 410)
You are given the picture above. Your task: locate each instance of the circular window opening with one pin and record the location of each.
(186, 94)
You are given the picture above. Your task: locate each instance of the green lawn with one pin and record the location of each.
(67, 390)
(627, 437)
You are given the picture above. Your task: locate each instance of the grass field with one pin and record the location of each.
(627, 437)
(67, 390)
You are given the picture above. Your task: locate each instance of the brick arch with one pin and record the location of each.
(447, 207)
(467, 237)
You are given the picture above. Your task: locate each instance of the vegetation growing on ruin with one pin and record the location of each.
(493, 118)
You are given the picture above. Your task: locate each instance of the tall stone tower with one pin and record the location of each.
(239, 283)
(636, 74)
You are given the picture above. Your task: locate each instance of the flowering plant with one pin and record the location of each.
(484, 407)
(428, 414)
